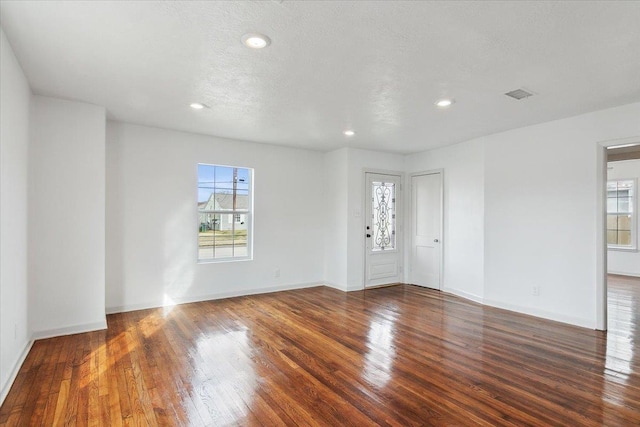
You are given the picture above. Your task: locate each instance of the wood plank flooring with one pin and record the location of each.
(396, 356)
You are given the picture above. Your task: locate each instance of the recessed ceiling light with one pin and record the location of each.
(349, 132)
(445, 102)
(197, 106)
(255, 40)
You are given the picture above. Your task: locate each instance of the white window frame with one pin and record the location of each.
(248, 219)
(634, 218)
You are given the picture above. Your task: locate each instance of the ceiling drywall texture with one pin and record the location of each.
(376, 67)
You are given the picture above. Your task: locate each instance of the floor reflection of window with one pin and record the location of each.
(622, 308)
(226, 375)
(379, 359)
(620, 341)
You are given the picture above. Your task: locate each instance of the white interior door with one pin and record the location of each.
(383, 258)
(426, 230)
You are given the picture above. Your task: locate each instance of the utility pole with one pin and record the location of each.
(235, 187)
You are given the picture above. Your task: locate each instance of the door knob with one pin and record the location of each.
(436, 240)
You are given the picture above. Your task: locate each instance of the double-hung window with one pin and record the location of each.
(621, 214)
(224, 212)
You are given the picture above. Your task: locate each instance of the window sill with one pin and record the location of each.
(622, 249)
(223, 260)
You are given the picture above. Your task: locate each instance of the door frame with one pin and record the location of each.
(400, 229)
(411, 218)
(601, 224)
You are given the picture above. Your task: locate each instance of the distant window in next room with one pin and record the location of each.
(224, 213)
(621, 215)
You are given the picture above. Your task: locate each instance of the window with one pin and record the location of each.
(224, 212)
(621, 216)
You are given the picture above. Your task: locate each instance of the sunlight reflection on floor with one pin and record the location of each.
(381, 355)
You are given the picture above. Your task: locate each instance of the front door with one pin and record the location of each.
(383, 257)
(426, 229)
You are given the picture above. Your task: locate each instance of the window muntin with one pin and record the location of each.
(621, 216)
(224, 212)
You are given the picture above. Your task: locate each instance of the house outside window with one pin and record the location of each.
(224, 213)
(621, 214)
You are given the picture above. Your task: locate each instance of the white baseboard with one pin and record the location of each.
(344, 288)
(335, 286)
(208, 297)
(622, 273)
(69, 330)
(574, 321)
(465, 295)
(14, 371)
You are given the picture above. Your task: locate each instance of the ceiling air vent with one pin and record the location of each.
(519, 94)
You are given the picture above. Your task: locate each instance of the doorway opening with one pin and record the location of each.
(621, 240)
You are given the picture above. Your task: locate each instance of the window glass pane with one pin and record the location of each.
(612, 222)
(624, 222)
(206, 183)
(624, 238)
(624, 204)
(612, 237)
(240, 239)
(223, 201)
(384, 216)
(612, 204)
(224, 237)
(242, 200)
(242, 181)
(224, 179)
(206, 236)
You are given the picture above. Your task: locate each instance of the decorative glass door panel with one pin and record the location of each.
(383, 216)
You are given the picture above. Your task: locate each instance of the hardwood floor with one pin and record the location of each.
(396, 356)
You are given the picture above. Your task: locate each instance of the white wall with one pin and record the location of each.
(542, 218)
(336, 172)
(66, 217)
(152, 220)
(14, 143)
(463, 240)
(625, 262)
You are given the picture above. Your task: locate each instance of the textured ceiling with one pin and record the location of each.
(376, 67)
